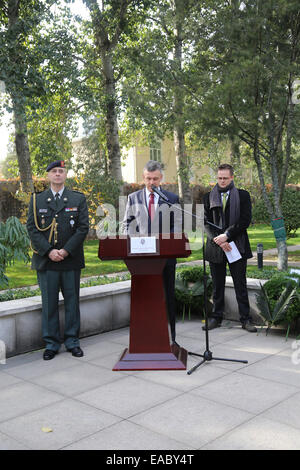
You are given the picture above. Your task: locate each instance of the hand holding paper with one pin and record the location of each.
(234, 254)
(225, 246)
(222, 238)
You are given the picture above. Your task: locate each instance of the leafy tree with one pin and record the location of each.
(92, 175)
(110, 23)
(58, 110)
(157, 78)
(39, 65)
(19, 69)
(252, 62)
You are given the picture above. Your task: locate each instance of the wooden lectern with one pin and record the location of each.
(149, 345)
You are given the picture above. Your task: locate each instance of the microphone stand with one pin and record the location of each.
(207, 355)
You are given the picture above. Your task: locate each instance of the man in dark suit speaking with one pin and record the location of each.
(147, 213)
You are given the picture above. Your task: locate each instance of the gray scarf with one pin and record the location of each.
(215, 200)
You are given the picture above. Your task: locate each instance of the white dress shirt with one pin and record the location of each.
(59, 192)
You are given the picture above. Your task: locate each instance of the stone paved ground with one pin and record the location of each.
(70, 403)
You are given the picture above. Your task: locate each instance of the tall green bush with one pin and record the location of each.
(14, 245)
(290, 209)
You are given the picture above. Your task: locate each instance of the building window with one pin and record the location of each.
(155, 151)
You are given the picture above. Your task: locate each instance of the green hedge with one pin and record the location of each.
(290, 210)
(276, 285)
(189, 290)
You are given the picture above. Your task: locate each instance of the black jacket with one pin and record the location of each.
(167, 220)
(136, 219)
(73, 224)
(213, 252)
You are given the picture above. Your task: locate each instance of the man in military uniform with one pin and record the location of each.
(57, 225)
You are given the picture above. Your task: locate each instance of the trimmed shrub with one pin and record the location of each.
(189, 290)
(276, 285)
(290, 210)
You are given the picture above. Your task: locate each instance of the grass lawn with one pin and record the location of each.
(20, 275)
(264, 234)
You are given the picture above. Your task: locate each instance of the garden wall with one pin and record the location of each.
(103, 308)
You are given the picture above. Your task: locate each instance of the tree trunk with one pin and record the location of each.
(20, 120)
(112, 128)
(22, 147)
(282, 263)
(105, 47)
(182, 163)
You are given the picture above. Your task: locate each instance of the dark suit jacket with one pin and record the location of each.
(73, 224)
(167, 220)
(136, 219)
(213, 252)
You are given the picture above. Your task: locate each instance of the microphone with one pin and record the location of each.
(158, 191)
(212, 225)
(164, 197)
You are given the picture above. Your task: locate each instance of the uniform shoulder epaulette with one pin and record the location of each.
(79, 192)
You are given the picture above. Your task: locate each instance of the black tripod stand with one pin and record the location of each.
(207, 355)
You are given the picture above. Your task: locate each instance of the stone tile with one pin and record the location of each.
(77, 379)
(229, 351)
(7, 443)
(35, 366)
(244, 392)
(22, 359)
(286, 412)
(191, 344)
(109, 361)
(192, 420)
(98, 349)
(260, 343)
(212, 408)
(277, 368)
(258, 434)
(69, 421)
(128, 396)
(187, 325)
(127, 436)
(179, 380)
(6, 380)
(23, 398)
(216, 336)
(120, 336)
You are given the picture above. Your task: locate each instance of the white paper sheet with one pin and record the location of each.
(140, 245)
(234, 254)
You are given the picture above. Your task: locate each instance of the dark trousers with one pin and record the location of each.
(51, 282)
(238, 273)
(169, 285)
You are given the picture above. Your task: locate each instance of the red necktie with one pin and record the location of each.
(151, 208)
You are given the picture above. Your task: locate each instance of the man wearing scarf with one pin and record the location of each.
(230, 209)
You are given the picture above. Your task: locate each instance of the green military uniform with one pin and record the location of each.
(58, 224)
